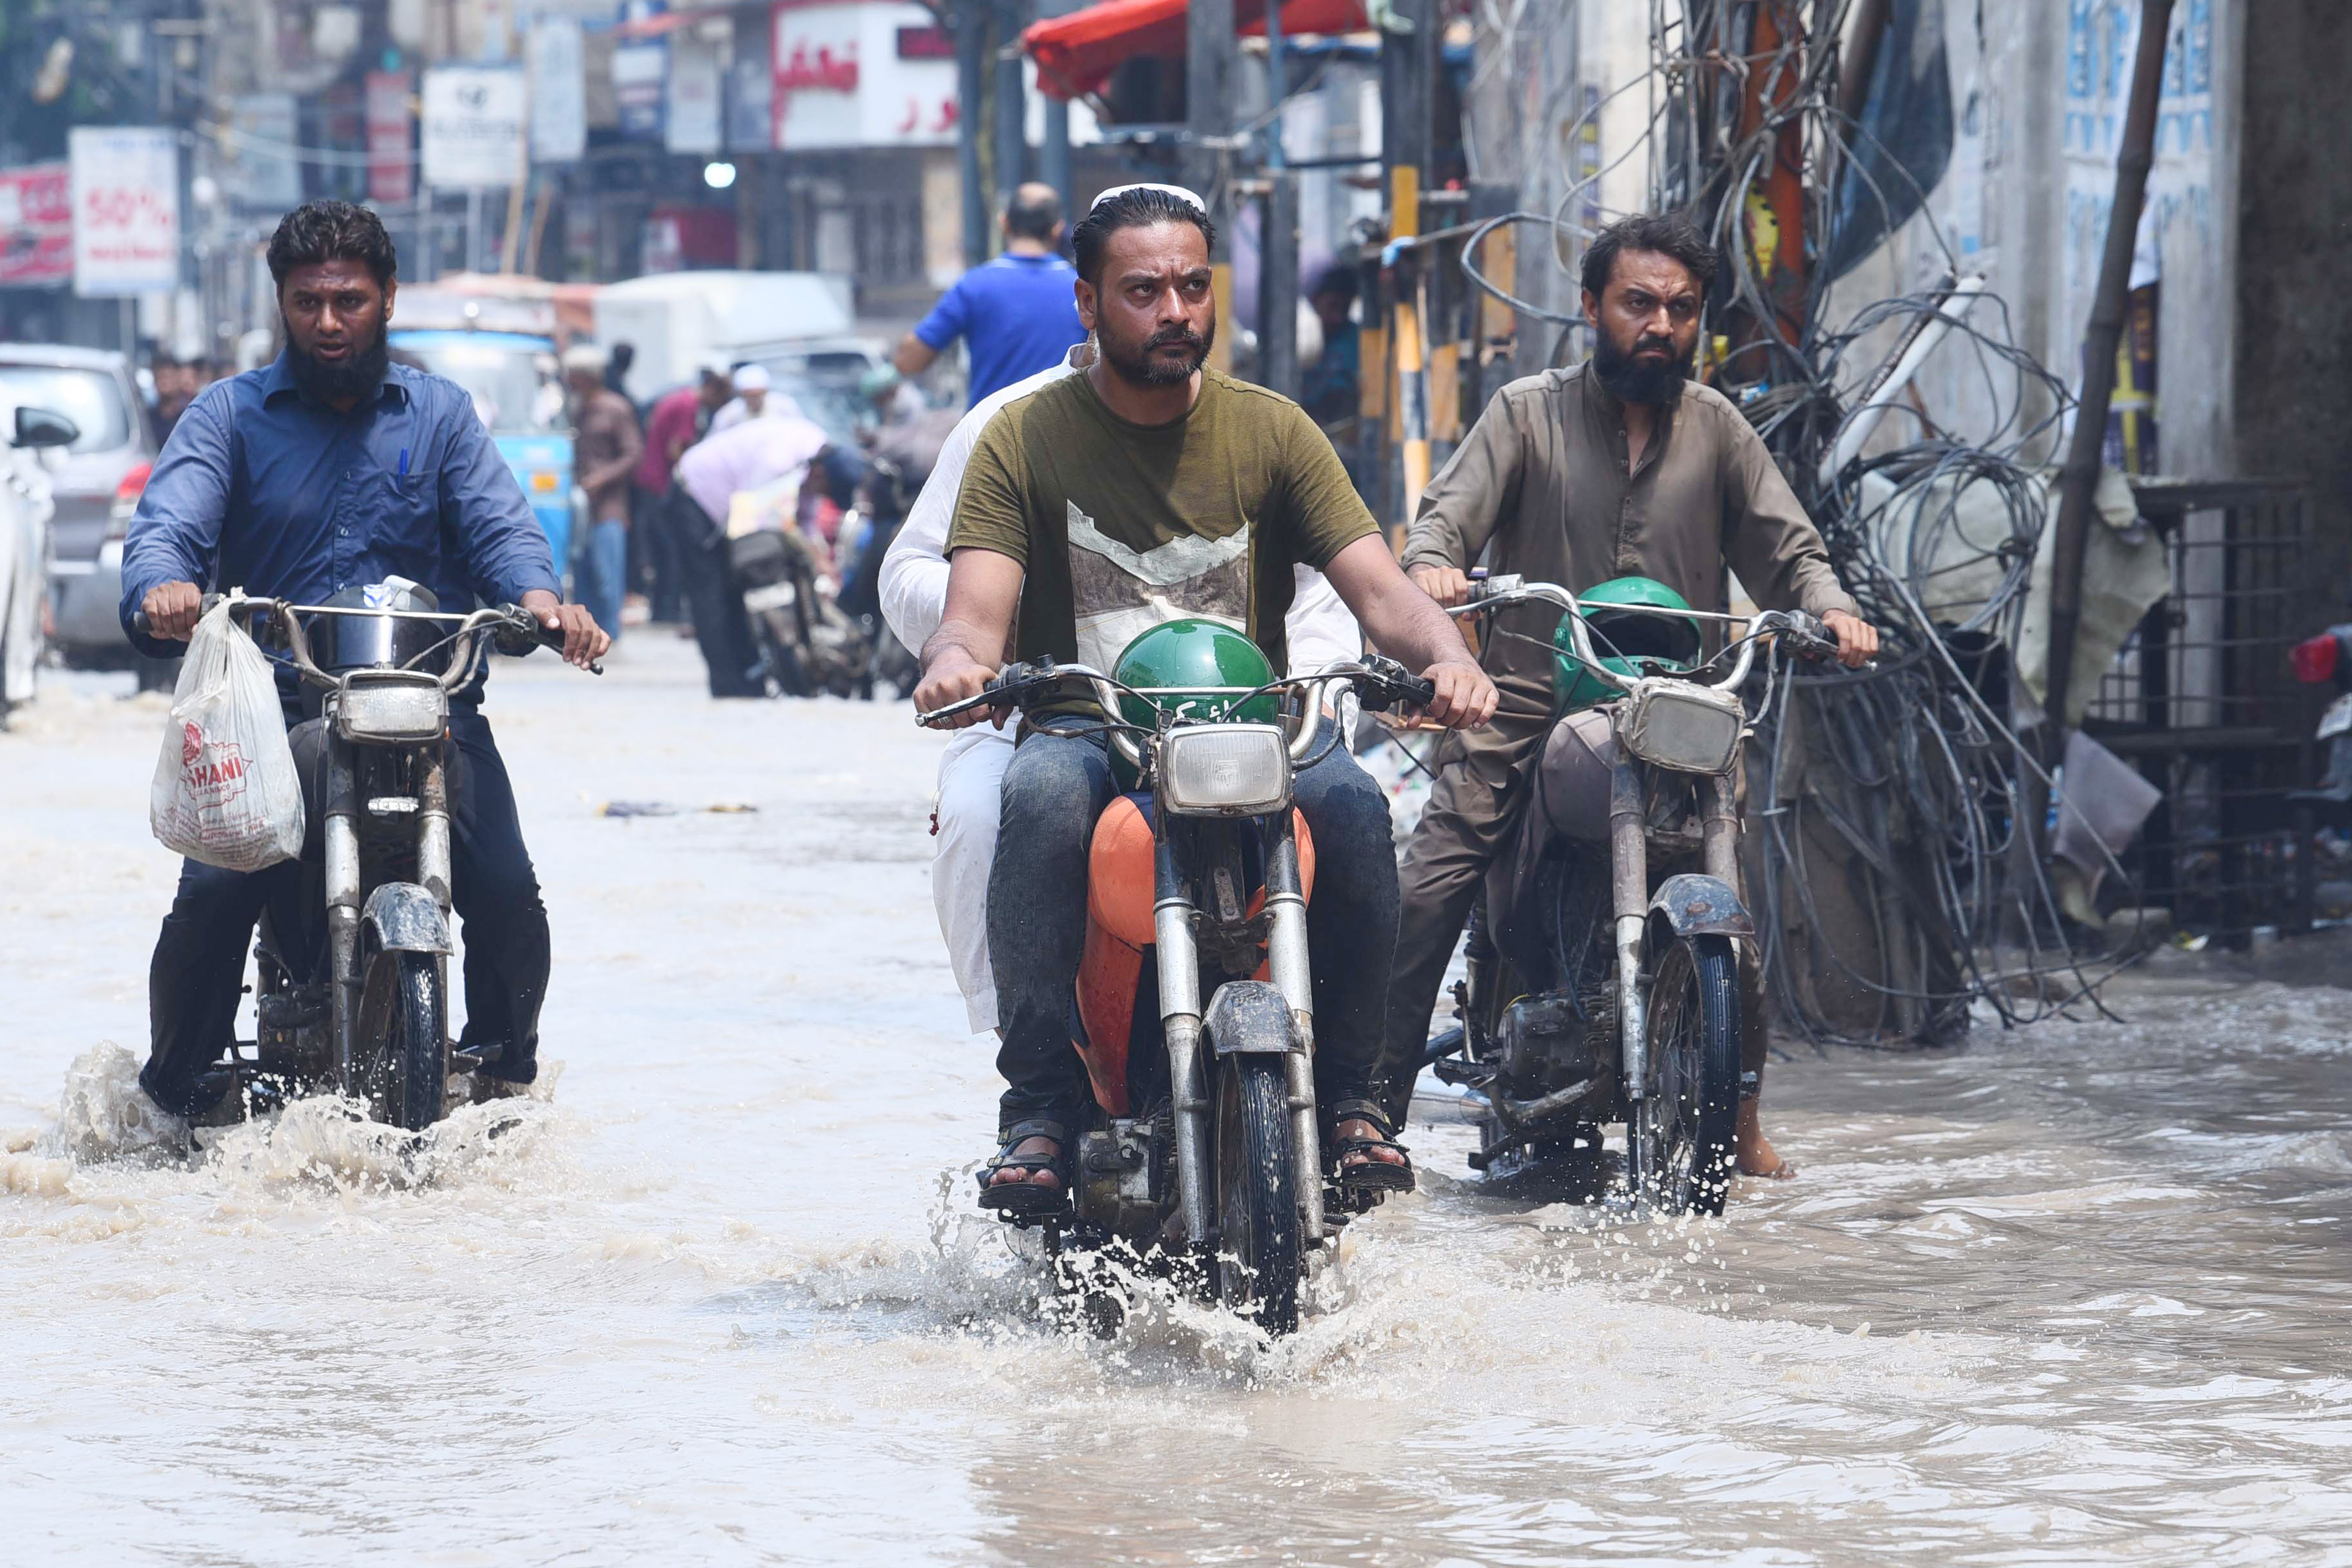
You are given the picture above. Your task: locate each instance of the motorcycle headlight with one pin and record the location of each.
(1224, 770)
(390, 706)
(1681, 725)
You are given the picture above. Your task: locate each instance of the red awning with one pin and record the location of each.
(1076, 54)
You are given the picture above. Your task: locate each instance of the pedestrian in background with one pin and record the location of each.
(177, 382)
(616, 373)
(750, 401)
(678, 421)
(1017, 315)
(606, 449)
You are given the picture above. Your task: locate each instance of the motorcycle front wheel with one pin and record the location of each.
(402, 1053)
(1680, 1134)
(1258, 1262)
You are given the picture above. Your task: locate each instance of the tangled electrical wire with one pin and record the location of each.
(1897, 886)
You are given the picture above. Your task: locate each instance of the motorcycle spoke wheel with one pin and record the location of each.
(1258, 1257)
(402, 1056)
(1680, 1134)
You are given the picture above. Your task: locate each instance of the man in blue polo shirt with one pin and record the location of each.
(1017, 315)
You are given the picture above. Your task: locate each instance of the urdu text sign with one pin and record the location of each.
(126, 209)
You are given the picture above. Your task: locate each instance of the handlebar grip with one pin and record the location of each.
(146, 628)
(1415, 691)
(547, 636)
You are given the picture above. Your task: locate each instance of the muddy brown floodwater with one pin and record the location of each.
(2073, 1295)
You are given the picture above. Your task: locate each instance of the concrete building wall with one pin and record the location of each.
(2293, 286)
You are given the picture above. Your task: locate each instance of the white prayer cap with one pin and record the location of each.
(1178, 191)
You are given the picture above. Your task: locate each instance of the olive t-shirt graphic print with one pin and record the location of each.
(1121, 527)
(1118, 593)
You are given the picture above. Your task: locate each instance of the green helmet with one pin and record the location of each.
(1629, 644)
(1191, 656)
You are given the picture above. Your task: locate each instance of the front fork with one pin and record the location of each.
(1180, 1015)
(1630, 887)
(346, 984)
(1294, 976)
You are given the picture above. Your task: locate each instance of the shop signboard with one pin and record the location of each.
(748, 93)
(126, 209)
(693, 118)
(261, 169)
(35, 226)
(390, 138)
(839, 76)
(558, 104)
(641, 88)
(474, 127)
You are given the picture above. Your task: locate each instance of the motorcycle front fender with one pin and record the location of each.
(1251, 1016)
(401, 916)
(1696, 905)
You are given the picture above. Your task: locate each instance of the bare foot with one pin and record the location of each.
(1029, 1149)
(1753, 1155)
(1357, 1127)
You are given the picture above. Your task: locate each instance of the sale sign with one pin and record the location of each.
(36, 225)
(126, 209)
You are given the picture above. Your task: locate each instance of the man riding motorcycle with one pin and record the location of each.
(1145, 490)
(969, 799)
(327, 470)
(1615, 468)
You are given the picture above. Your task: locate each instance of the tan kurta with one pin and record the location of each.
(1542, 487)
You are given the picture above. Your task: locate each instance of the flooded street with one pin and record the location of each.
(2078, 1295)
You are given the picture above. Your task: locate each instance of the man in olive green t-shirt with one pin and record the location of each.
(1145, 490)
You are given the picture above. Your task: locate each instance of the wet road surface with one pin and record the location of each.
(2074, 1296)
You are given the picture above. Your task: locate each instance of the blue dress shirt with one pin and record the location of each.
(261, 489)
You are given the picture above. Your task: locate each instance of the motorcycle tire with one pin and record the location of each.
(1258, 1239)
(1680, 1135)
(402, 1054)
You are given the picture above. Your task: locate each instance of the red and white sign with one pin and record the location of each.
(36, 225)
(126, 209)
(390, 138)
(841, 79)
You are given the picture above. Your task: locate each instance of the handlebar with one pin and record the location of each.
(507, 624)
(1380, 682)
(1806, 636)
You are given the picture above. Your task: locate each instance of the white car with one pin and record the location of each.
(24, 511)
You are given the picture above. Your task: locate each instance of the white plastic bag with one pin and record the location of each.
(225, 791)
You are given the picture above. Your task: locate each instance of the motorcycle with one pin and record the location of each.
(807, 646)
(1562, 1034)
(2326, 660)
(1194, 1005)
(372, 1020)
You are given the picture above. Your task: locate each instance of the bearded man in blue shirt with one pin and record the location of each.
(329, 469)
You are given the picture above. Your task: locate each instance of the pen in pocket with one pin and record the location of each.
(403, 462)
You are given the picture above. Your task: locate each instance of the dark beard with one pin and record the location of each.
(359, 376)
(1138, 367)
(1652, 386)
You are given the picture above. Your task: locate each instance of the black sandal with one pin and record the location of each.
(1024, 1199)
(1366, 1176)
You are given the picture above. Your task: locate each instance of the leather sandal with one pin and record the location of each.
(1367, 1175)
(1025, 1198)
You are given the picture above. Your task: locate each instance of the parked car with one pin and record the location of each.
(24, 511)
(94, 481)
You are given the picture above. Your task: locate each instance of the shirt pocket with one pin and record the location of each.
(405, 518)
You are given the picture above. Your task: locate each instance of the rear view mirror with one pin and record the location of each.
(40, 427)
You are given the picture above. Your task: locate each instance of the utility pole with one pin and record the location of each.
(2079, 479)
(971, 87)
(1208, 110)
(1011, 108)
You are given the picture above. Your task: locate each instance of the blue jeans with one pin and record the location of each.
(1053, 792)
(604, 573)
